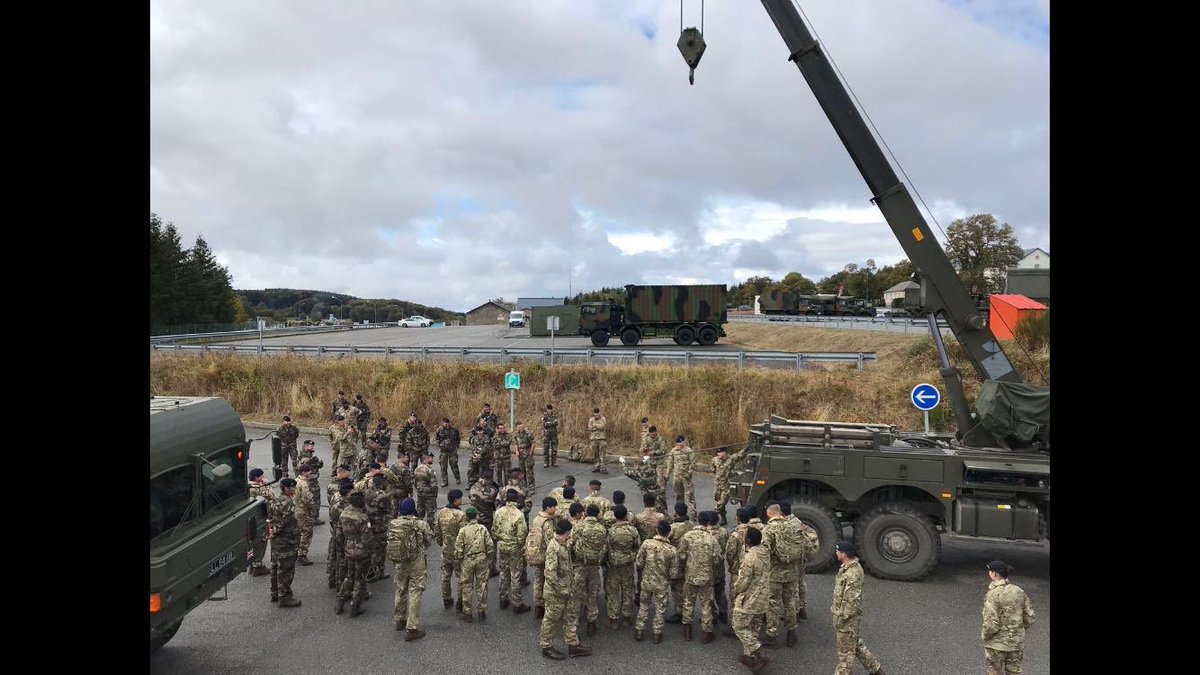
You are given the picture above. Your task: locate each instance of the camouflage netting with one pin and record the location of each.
(1019, 413)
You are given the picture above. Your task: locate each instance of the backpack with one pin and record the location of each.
(535, 545)
(812, 541)
(592, 540)
(403, 540)
(789, 544)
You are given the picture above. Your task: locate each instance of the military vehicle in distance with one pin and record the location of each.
(686, 314)
(901, 492)
(205, 528)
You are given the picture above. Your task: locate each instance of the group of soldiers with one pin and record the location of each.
(750, 578)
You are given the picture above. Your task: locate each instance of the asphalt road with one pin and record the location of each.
(927, 628)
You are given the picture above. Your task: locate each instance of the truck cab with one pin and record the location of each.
(516, 319)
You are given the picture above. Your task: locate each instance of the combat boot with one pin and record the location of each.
(458, 604)
(578, 650)
(761, 661)
(724, 521)
(802, 614)
(482, 617)
(504, 604)
(552, 653)
(447, 603)
(540, 611)
(658, 638)
(289, 601)
(445, 483)
(340, 606)
(274, 598)
(521, 608)
(707, 637)
(791, 638)
(303, 560)
(356, 609)
(465, 617)
(612, 623)
(639, 635)
(400, 625)
(591, 628)
(414, 634)
(768, 639)
(687, 632)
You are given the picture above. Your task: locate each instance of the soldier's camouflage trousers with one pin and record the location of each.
(501, 464)
(1003, 663)
(354, 584)
(550, 450)
(618, 591)
(659, 600)
(559, 616)
(472, 583)
(722, 496)
(410, 584)
(306, 533)
(783, 599)
(283, 571)
(801, 593)
(335, 567)
(702, 595)
(539, 584)
(449, 570)
(585, 590)
(449, 459)
(290, 452)
(745, 627)
(527, 465)
(600, 454)
(426, 506)
(850, 646)
(685, 489)
(511, 565)
(719, 600)
(475, 466)
(348, 456)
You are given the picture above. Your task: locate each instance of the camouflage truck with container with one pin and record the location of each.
(205, 527)
(686, 314)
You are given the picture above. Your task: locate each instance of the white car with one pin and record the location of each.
(416, 321)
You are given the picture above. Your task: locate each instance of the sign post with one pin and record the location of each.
(552, 325)
(512, 382)
(925, 397)
(261, 322)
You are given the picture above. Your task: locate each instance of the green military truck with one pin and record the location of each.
(900, 492)
(205, 528)
(785, 303)
(686, 314)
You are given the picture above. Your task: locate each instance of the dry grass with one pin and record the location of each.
(712, 405)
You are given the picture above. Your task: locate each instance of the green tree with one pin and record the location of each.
(743, 293)
(982, 250)
(890, 275)
(167, 262)
(794, 282)
(209, 287)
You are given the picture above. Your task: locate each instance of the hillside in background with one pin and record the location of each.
(282, 304)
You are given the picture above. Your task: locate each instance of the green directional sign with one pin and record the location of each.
(512, 380)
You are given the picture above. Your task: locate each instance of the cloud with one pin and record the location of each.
(447, 153)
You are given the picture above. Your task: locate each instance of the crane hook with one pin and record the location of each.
(691, 46)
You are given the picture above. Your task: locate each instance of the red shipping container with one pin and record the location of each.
(1006, 311)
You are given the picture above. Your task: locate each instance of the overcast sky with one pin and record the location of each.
(449, 151)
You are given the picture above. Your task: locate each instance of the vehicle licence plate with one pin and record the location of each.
(216, 565)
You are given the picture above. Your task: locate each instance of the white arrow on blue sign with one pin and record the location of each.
(512, 380)
(925, 396)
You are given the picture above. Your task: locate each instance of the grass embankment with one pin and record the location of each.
(712, 405)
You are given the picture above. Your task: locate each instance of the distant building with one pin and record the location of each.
(529, 303)
(488, 313)
(894, 296)
(1035, 259)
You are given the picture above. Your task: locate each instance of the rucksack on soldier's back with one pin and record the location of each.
(404, 541)
(790, 544)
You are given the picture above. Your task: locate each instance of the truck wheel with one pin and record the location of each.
(630, 337)
(707, 335)
(896, 541)
(600, 338)
(684, 335)
(165, 636)
(829, 530)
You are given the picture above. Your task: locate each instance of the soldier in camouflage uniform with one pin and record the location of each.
(445, 530)
(608, 518)
(493, 422)
(847, 613)
(540, 534)
(501, 452)
(402, 475)
(647, 480)
(654, 451)
(723, 465)
(335, 559)
(509, 531)
(426, 487)
(418, 439)
(308, 456)
(619, 578)
(516, 481)
(561, 610)
(1007, 614)
(359, 540)
(352, 413)
(259, 488)
(404, 446)
(287, 434)
(340, 473)
(648, 519)
(786, 544)
(481, 453)
(448, 440)
(680, 525)
(362, 423)
(699, 555)
(285, 536)
(549, 438)
(483, 496)
(598, 440)
(594, 497)
(751, 592)
(407, 539)
(524, 439)
(735, 548)
(383, 436)
(720, 600)
(338, 403)
(473, 548)
(341, 442)
(381, 508)
(812, 543)
(306, 503)
(657, 562)
(557, 493)
(680, 464)
(588, 546)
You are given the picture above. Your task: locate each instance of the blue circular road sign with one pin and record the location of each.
(925, 396)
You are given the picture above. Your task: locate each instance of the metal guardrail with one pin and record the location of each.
(774, 318)
(548, 356)
(253, 332)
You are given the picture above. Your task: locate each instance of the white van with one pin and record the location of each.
(516, 319)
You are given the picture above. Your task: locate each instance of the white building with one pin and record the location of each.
(1035, 259)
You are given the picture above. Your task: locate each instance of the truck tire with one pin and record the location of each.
(600, 338)
(685, 335)
(165, 636)
(707, 336)
(630, 337)
(896, 541)
(829, 530)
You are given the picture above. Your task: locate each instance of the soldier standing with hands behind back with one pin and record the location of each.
(549, 437)
(597, 425)
(847, 613)
(1007, 613)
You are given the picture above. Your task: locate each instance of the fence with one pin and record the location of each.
(892, 324)
(687, 357)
